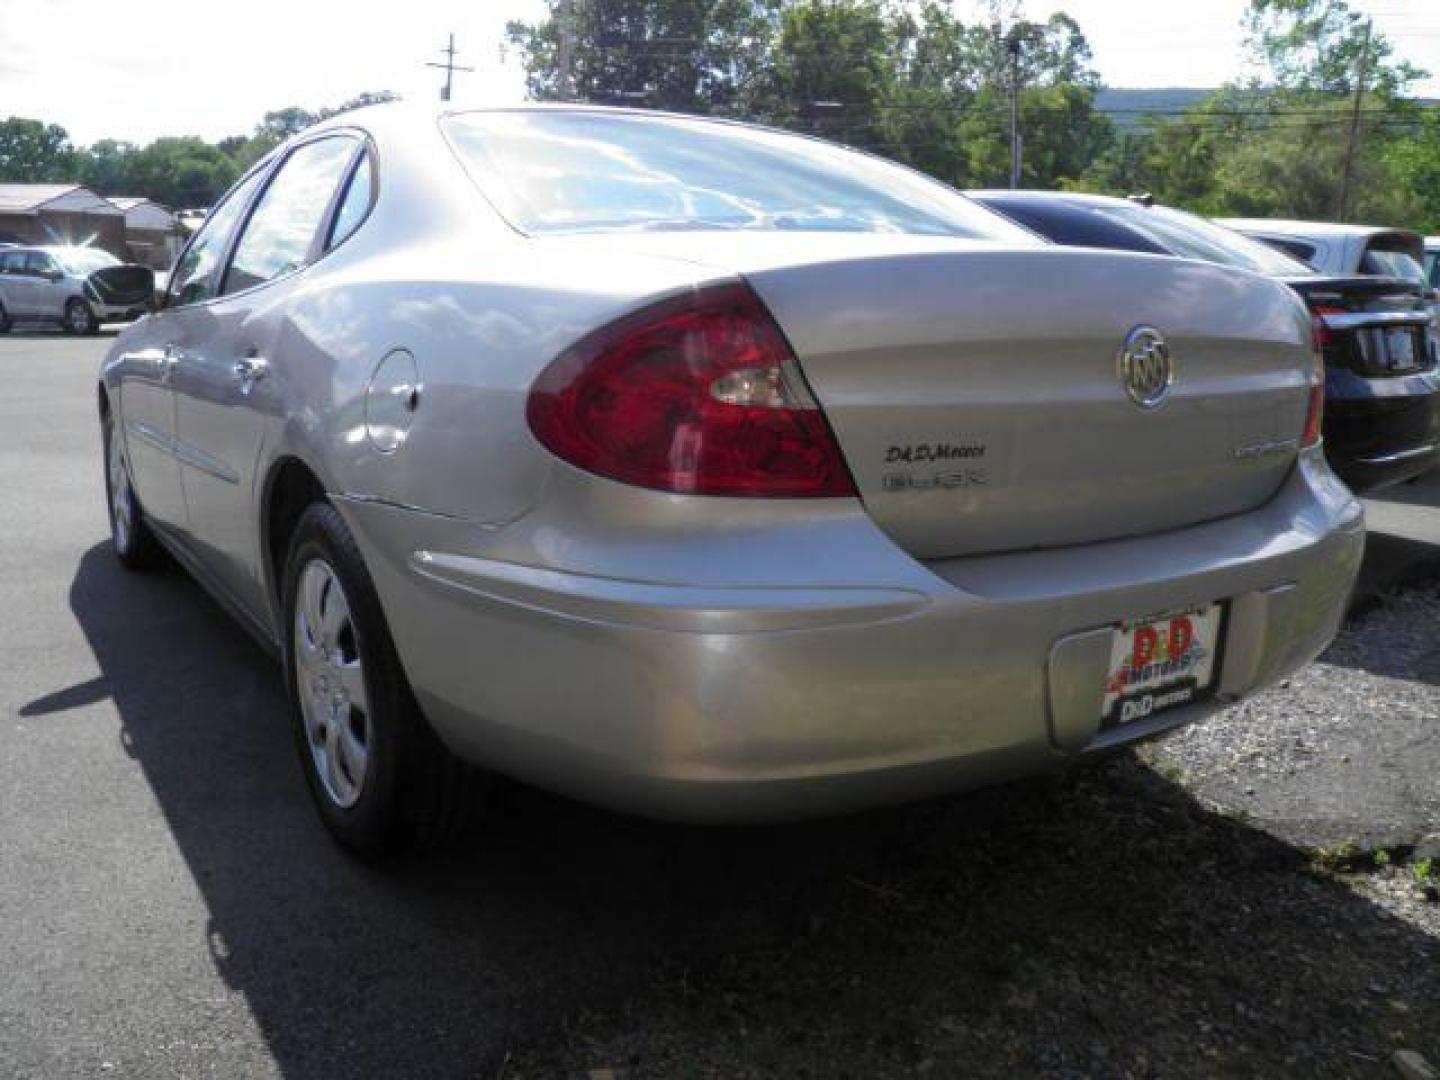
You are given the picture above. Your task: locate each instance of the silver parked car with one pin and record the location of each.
(75, 287)
(711, 472)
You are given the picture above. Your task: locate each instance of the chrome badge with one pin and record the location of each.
(1146, 370)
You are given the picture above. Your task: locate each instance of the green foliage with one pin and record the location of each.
(1276, 146)
(175, 172)
(910, 81)
(696, 56)
(33, 152)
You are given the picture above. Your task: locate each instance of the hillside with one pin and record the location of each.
(1127, 106)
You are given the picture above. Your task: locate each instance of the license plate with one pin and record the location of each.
(1161, 662)
(1400, 349)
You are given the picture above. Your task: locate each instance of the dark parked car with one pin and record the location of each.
(1382, 389)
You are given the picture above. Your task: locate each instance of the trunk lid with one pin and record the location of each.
(975, 393)
(1374, 326)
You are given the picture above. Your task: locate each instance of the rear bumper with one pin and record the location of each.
(728, 702)
(1381, 431)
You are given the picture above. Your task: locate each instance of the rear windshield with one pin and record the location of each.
(582, 172)
(1196, 238)
(1396, 264)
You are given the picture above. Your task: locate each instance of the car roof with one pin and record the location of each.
(1071, 198)
(1313, 230)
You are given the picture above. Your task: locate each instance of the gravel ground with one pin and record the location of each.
(1243, 899)
(1346, 751)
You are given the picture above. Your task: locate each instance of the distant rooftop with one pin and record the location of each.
(27, 198)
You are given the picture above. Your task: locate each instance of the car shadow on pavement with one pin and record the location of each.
(1099, 923)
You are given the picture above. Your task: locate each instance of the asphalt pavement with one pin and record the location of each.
(170, 906)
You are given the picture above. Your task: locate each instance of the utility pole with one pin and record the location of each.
(450, 68)
(1012, 44)
(1347, 178)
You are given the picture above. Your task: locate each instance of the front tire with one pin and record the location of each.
(79, 319)
(130, 536)
(380, 778)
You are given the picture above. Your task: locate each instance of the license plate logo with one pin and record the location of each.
(1160, 663)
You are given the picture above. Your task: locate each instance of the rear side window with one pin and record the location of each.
(280, 234)
(1298, 248)
(355, 203)
(1077, 226)
(1195, 237)
(583, 172)
(12, 262)
(1396, 264)
(194, 276)
(1432, 264)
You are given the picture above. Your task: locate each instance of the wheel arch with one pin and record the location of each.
(291, 485)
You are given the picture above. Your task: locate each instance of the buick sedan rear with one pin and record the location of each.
(710, 472)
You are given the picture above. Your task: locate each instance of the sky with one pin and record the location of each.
(177, 67)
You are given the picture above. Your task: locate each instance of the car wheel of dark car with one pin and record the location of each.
(134, 544)
(380, 777)
(5, 323)
(79, 319)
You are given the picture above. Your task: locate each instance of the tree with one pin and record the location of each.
(685, 55)
(183, 172)
(34, 152)
(108, 167)
(1315, 47)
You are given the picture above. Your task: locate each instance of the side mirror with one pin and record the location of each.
(157, 297)
(51, 275)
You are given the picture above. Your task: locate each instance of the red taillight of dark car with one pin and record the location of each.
(1314, 411)
(699, 394)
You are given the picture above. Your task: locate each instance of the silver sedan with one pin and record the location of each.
(710, 472)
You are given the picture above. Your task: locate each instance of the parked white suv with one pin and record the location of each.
(77, 287)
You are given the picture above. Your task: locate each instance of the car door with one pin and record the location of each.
(15, 292)
(47, 285)
(153, 350)
(226, 393)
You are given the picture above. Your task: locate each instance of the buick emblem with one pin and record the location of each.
(1146, 370)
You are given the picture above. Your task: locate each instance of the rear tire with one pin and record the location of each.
(5, 323)
(130, 536)
(79, 318)
(381, 779)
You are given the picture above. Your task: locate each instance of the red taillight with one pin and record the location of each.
(1323, 334)
(699, 394)
(1316, 407)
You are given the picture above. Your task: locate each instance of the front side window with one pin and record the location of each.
(278, 237)
(194, 276)
(580, 172)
